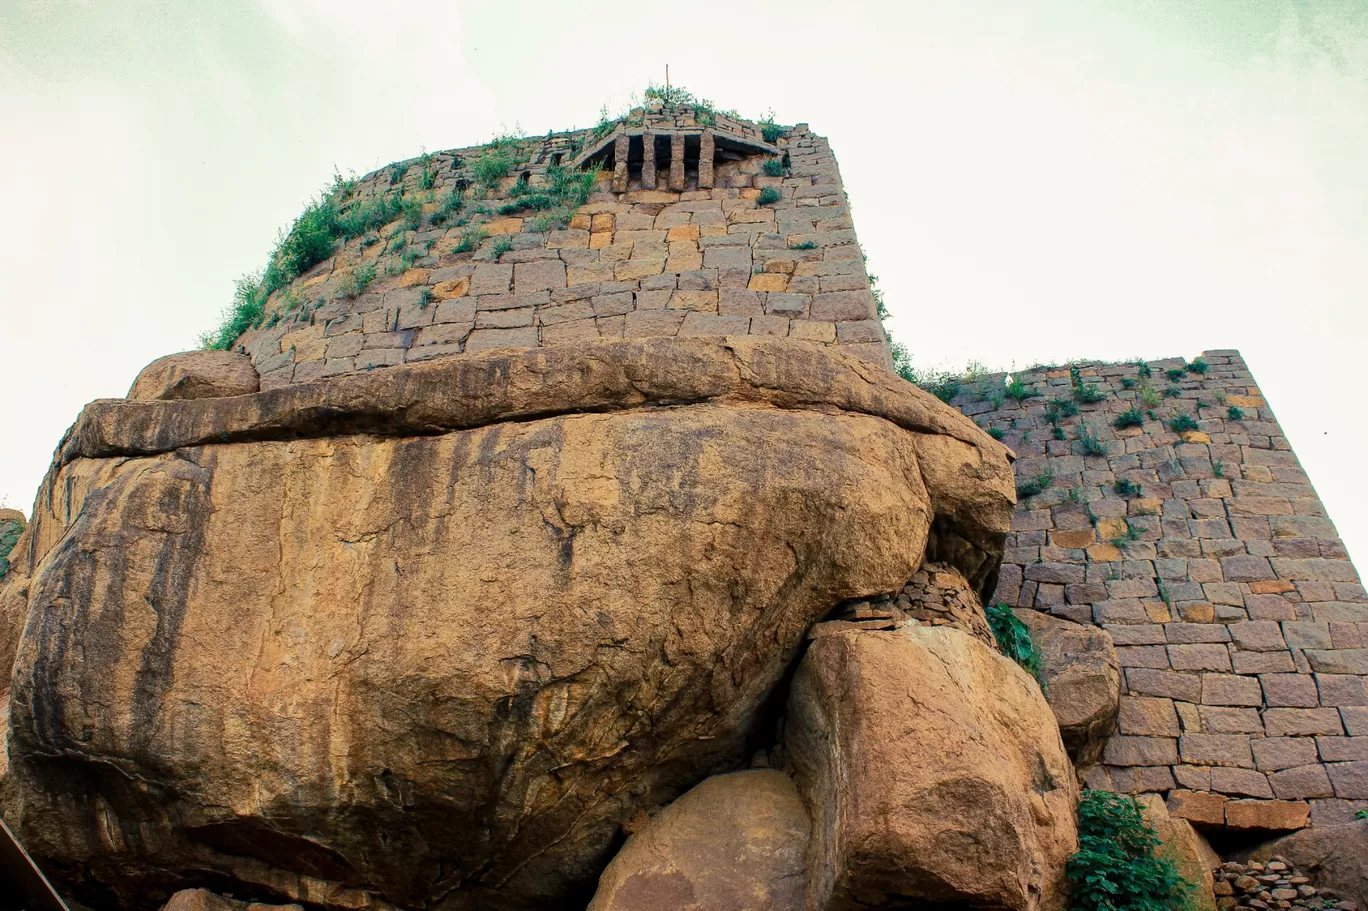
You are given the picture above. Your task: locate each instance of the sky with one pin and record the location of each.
(1033, 182)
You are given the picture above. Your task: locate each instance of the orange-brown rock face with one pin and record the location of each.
(934, 773)
(416, 639)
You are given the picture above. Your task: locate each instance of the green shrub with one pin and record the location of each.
(1014, 638)
(1175, 374)
(493, 164)
(805, 245)
(1088, 439)
(501, 246)
(1117, 867)
(471, 238)
(1057, 432)
(1018, 391)
(358, 281)
(769, 196)
(1032, 486)
(996, 433)
(411, 211)
(1127, 488)
(426, 178)
(773, 167)
(1056, 409)
(1128, 382)
(1218, 470)
(1183, 423)
(1172, 392)
(364, 217)
(1088, 393)
(1131, 417)
(1234, 414)
(246, 310)
(1198, 366)
(1143, 370)
(1148, 396)
(424, 298)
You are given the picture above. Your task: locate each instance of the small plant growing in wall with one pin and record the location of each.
(1127, 488)
(501, 246)
(1175, 374)
(804, 245)
(769, 196)
(1118, 866)
(1128, 382)
(424, 298)
(471, 238)
(1233, 413)
(1014, 639)
(773, 167)
(1032, 486)
(1058, 409)
(1018, 391)
(995, 432)
(1183, 423)
(1131, 417)
(1089, 441)
(1198, 366)
(412, 211)
(1148, 396)
(1142, 370)
(426, 177)
(358, 281)
(1088, 393)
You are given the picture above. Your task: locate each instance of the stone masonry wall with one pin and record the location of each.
(1240, 622)
(673, 241)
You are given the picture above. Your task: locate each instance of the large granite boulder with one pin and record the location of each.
(1334, 857)
(736, 842)
(431, 636)
(196, 375)
(1082, 680)
(934, 772)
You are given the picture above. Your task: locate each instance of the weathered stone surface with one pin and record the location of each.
(934, 772)
(204, 900)
(1334, 857)
(1188, 850)
(1082, 681)
(491, 646)
(196, 375)
(735, 842)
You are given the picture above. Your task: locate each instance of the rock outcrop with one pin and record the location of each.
(736, 842)
(934, 772)
(1082, 681)
(1334, 858)
(204, 900)
(431, 636)
(196, 375)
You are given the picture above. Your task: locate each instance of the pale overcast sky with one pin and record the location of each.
(1032, 181)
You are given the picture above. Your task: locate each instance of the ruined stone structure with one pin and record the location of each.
(1241, 625)
(673, 241)
(557, 534)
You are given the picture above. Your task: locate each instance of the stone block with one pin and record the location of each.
(1246, 568)
(1342, 749)
(1198, 807)
(1240, 782)
(1301, 783)
(491, 278)
(1289, 690)
(1147, 716)
(1349, 779)
(1267, 815)
(1342, 689)
(1169, 684)
(838, 306)
(696, 323)
(1275, 753)
(1216, 750)
(1199, 657)
(651, 323)
(1140, 751)
(1218, 719)
(1302, 722)
(490, 339)
(546, 275)
(1228, 689)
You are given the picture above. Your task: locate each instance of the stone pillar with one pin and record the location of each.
(620, 148)
(648, 162)
(677, 162)
(705, 160)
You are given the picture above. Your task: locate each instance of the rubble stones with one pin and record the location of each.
(1275, 884)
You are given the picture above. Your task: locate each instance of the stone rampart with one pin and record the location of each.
(675, 239)
(1196, 540)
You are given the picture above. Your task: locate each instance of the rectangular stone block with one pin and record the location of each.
(1228, 689)
(1218, 719)
(1289, 690)
(1140, 751)
(1274, 753)
(1240, 782)
(1198, 807)
(1266, 815)
(1350, 779)
(1216, 750)
(1169, 684)
(1302, 722)
(1200, 657)
(1148, 716)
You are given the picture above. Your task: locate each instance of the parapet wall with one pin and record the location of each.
(674, 239)
(1240, 622)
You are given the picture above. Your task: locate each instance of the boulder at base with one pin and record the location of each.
(1188, 850)
(735, 842)
(204, 900)
(1334, 857)
(934, 772)
(196, 375)
(1082, 678)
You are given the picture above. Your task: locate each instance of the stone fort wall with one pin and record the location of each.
(675, 239)
(1241, 624)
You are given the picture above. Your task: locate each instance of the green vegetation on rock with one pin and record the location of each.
(9, 536)
(1117, 867)
(1013, 638)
